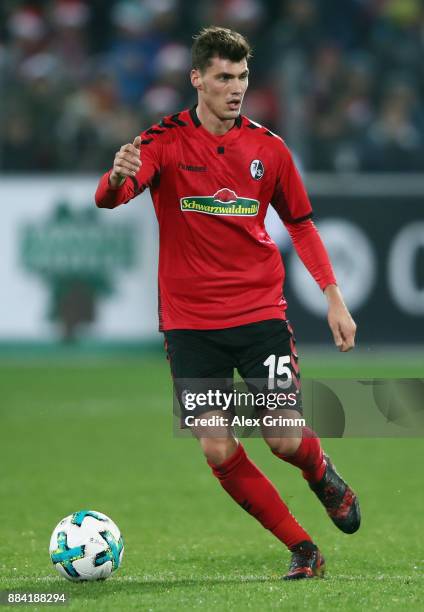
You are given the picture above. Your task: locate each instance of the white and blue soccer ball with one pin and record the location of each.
(86, 545)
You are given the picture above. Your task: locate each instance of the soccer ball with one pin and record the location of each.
(86, 545)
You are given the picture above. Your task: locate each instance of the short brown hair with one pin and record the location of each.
(218, 42)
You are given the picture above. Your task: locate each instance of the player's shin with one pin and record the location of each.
(256, 494)
(309, 456)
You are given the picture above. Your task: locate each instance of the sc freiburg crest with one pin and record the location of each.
(257, 169)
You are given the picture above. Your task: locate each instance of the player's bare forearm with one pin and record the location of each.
(340, 320)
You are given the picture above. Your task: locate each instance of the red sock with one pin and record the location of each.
(250, 488)
(308, 457)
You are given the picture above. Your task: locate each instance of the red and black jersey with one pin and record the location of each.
(218, 267)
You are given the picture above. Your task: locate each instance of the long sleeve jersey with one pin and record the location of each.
(218, 267)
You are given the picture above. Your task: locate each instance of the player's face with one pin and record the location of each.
(222, 86)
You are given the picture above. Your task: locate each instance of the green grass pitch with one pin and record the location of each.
(98, 434)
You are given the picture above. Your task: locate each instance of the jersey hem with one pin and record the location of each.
(272, 313)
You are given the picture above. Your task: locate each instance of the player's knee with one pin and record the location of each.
(283, 446)
(218, 450)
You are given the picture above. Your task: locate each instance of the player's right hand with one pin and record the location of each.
(127, 162)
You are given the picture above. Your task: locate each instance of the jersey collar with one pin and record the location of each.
(197, 123)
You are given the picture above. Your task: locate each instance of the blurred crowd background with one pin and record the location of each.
(340, 80)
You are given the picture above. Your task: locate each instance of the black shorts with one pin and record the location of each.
(263, 353)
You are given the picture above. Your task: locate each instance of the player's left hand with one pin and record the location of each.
(340, 320)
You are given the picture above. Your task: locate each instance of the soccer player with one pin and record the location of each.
(212, 173)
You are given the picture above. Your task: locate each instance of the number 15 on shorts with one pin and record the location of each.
(279, 371)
